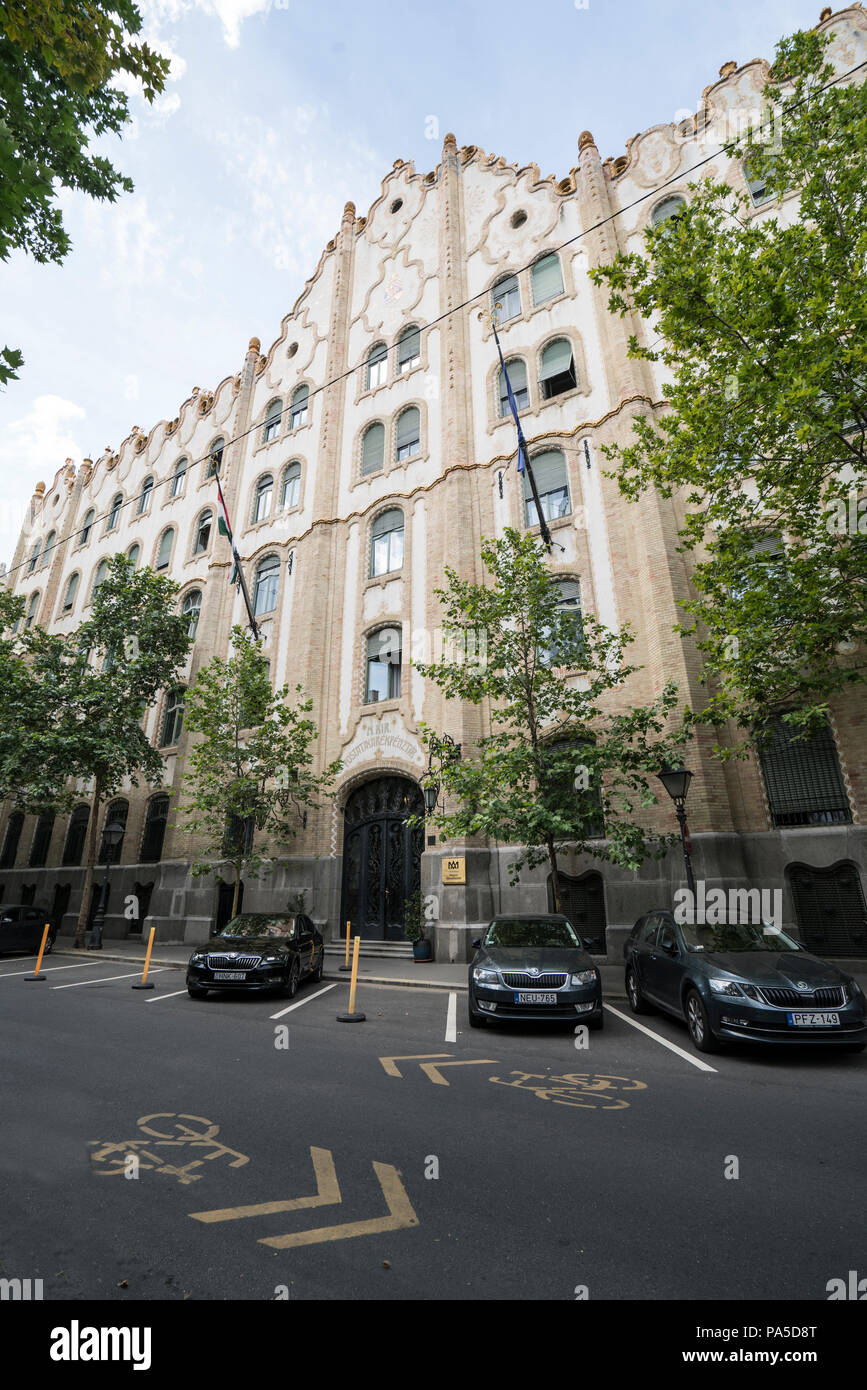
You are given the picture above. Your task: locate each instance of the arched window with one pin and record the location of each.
(506, 299)
(272, 421)
(117, 811)
(98, 578)
(408, 433)
(408, 349)
(144, 497)
(215, 457)
(290, 488)
(155, 829)
(114, 513)
(73, 847)
(552, 484)
(10, 840)
(203, 532)
(669, 207)
(264, 494)
(191, 607)
(802, 776)
(377, 365)
(558, 369)
(173, 719)
(547, 278)
(84, 534)
(386, 542)
(164, 554)
(41, 840)
(517, 371)
(31, 610)
(49, 546)
(134, 554)
(34, 556)
(564, 648)
(267, 580)
(384, 658)
(178, 478)
(298, 411)
(758, 183)
(71, 591)
(373, 448)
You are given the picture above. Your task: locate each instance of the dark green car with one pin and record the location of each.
(258, 951)
(741, 981)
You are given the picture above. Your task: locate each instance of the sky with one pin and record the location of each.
(276, 113)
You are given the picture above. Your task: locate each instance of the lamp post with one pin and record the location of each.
(448, 752)
(112, 835)
(676, 781)
(283, 795)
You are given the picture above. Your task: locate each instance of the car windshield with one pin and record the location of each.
(544, 932)
(736, 936)
(260, 926)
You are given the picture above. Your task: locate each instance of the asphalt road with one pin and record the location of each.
(530, 1170)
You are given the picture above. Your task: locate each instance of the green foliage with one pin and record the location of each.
(563, 749)
(57, 62)
(414, 919)
(250, 738)
(762, 324)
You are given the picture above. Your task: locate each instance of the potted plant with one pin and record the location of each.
(414, 922)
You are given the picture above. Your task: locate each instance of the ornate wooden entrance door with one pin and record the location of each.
(381, 857)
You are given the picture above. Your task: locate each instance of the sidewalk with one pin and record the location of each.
(407, 973)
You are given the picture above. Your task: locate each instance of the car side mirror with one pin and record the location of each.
(477, 944)
(670, 948)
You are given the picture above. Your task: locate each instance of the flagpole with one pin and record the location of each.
(522, 443)
(237, 559)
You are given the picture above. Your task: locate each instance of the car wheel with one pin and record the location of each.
(196, 993)
(637, 1002)
(698, 1024)
(290, 989)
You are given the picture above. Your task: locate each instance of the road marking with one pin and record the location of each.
(452, 1019)
(391, 1069)
(80, 966)
(104, 979)
(400, 1214)
(432, 1069)
(155, 998)
(672, 1047)
(327, 1195)
(299, 1002)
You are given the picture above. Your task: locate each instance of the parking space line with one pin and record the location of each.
(452, 1019)
(300, 1002)
(672, 1047)
(155, 998)
(104, 979)
(79, 966)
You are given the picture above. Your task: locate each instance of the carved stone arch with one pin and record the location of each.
(381, 854)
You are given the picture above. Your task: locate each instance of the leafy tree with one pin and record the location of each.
(763, 325)
(117, 662)
(250, 738)
(57, 62)
(566, 746)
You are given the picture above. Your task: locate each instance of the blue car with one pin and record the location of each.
(741, 981)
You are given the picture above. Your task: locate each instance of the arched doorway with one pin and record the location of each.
(381, 856)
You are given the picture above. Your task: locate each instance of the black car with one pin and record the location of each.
(740, 981)
(533, 966)
(21, 928)
(258, 951)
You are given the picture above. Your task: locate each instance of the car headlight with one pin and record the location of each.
(584, 977)
(854, 989)
(483, 975)
(726, 987)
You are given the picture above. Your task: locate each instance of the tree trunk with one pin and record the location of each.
(239, 863)
(555, 877)
(91, 860)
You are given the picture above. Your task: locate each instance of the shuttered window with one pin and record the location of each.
(386, 542)
(165, 551)
(272, 421)
(373, 449)
(69, 596)
(155, 829)
(803, 778)
(552, 484)
(517, 371)
(408, 431)
(671, 207)
(547, 278)
(408, 349)
(506, 299)
(377, 365)
(558, 369)
(291, 486)
(298, 413)
(267, 580)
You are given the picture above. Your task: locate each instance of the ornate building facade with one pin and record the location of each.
(367, 448)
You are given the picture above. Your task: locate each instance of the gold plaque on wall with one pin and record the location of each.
(454, 870)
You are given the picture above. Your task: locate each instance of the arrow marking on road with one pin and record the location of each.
(400, 1215)
(327, 1194)
(391, 1069)
(432, 1069)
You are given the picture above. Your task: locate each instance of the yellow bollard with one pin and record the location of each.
(352, 1016)
(36, 975)
(346, 966)
(142, 984)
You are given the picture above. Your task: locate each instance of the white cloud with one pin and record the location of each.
(231, 13)
(33, 448)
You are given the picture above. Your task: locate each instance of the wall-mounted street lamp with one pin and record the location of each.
(676, 781)
(447, 752)
(283, 795)
(112, 835)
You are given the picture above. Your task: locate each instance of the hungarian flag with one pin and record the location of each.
(522, 446)
(225, 529)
